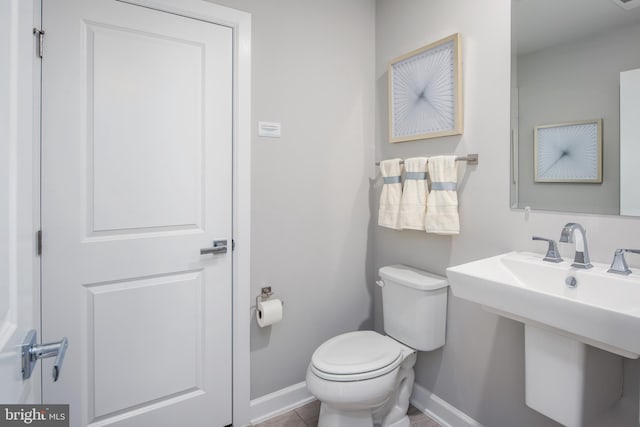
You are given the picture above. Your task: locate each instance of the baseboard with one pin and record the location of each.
(279, 402)
(442, 412)
(286, 399)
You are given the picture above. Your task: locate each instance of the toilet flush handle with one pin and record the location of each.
(380, 283)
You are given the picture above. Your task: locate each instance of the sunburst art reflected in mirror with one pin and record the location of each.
(569, 152)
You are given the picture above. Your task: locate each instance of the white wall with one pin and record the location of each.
(481, 368)
(312, 70)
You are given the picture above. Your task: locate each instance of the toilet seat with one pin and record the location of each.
(356, 356)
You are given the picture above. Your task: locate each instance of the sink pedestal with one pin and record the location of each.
(567, 380)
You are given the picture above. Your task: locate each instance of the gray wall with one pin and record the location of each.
(312, 70)
(578, 80)
(317, 70)
(480, 370)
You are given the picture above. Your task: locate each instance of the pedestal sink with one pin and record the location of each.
(602, 309)
(571, 315)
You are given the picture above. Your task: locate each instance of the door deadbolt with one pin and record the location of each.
(32, 352)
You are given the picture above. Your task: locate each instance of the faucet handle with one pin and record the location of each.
(619, 264)
(553, 255)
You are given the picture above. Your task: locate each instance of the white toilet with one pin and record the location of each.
(365, 379)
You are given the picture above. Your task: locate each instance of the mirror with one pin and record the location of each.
(572, 67)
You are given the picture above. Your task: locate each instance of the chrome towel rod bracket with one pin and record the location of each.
(471, 159)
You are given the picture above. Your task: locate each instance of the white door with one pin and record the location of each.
(19, 264)
(136, 179)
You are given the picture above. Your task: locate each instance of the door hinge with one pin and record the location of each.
(233, 245)
(39, 242)
(39, 41)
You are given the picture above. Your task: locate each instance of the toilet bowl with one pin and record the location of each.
(360, 377)
(364, 378)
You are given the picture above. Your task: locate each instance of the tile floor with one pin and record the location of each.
(307, 416)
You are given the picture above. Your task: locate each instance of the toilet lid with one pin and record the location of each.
(356, 353)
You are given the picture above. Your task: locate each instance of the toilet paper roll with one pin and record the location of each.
(269, 312)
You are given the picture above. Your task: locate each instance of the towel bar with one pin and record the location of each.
(471, 159)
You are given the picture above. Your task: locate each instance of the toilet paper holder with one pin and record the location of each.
(265, 294)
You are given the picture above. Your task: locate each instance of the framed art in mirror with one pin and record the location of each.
(425, 92)
(569, 152)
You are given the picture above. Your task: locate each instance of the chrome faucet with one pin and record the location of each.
(569, 235)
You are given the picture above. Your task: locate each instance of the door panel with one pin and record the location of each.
(130, 75)
(137, 115)
(151, 310)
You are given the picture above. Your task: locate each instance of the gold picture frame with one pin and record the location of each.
(425, 92)
(568, 152)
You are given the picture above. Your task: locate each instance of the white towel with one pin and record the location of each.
(414, 194)
(389, 213)
(442, 203)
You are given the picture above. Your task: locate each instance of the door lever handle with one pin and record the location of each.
(57, 366)
(219, 247)
(32, 352)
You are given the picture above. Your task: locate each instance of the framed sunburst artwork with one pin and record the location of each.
(425, 92)
(569, 152)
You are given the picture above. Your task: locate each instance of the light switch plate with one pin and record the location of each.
(269, 129)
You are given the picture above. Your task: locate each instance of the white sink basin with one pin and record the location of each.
(603, 310)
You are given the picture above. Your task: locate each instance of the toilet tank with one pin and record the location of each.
(414, 306)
